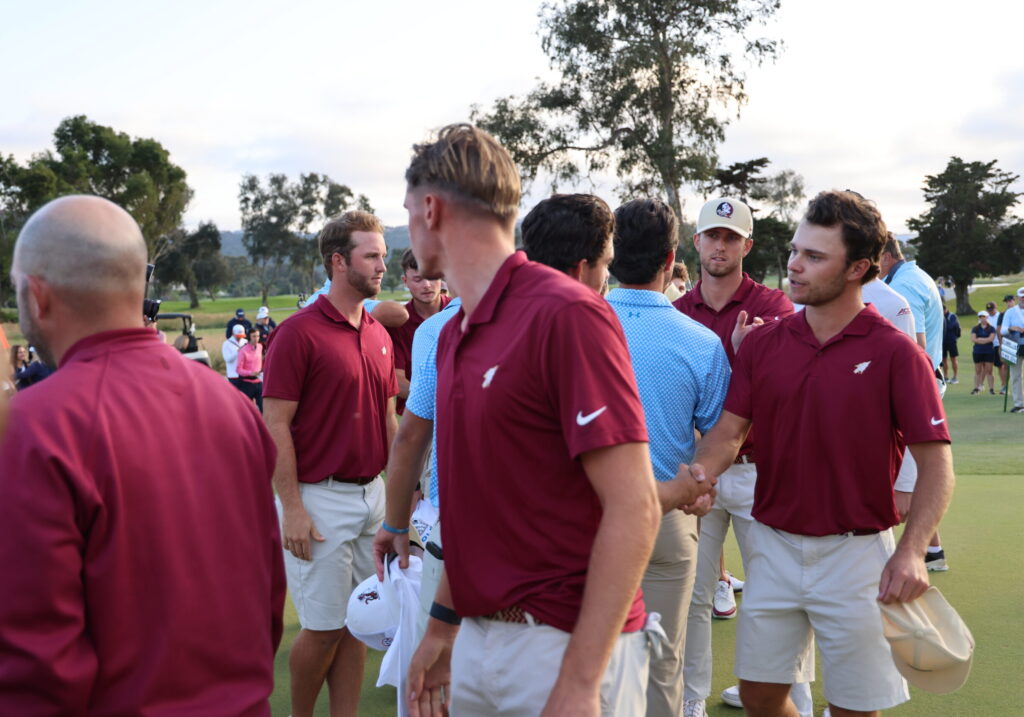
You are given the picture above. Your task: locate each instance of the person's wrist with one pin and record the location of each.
(394, 530)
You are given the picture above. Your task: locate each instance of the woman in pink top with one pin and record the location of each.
(250, 368)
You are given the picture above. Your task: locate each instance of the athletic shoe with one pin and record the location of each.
(975, 392)
(737, 584)
(992, 392)
(1017, 409)
(694, 708)
(723, 606)
(953, 380)
(1002, 391)
(731, 696)
(935, 562)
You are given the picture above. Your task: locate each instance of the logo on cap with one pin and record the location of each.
(368, 597)
(724, 210)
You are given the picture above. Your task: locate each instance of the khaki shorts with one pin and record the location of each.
(799, 587)
(509, 669)
(348, 516)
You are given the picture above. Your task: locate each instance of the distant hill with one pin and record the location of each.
(231, 242)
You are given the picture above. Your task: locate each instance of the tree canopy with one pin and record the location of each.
(89, 158)
(644, 89)
(968, 230)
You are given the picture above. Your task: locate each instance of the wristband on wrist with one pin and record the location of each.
(396, 531)
(444, 614)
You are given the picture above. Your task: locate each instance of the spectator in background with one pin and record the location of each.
(1013, 329)
(679, 283)
(983, 335)
(264, 324)
(951, 332)
(28, 370)
(250, 368)
(238, 320)
(229, 350)
(995, 318)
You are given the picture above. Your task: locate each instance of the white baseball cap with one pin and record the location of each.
(238, 330)
(263, 312)
(983, 313)
(1020, 291)
(930, 644)
(728, 214)
(373, 612)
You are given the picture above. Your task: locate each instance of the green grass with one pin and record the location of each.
(981, 535)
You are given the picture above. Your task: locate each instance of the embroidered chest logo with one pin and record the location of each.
(633, 314)
(384, 350)
(861, 367)
(489, 376)
(904, 311)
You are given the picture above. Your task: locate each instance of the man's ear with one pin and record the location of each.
(576, 270)
(435, 208)
(42, 297)
(748, 244)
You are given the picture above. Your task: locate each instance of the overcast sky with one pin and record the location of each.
(871, 95)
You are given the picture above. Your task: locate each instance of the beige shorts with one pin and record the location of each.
(348, 516)
(799, 587)
(509, 669)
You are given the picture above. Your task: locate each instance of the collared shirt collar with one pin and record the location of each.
(638, 297)
(484, 311)
(328, 309)
(107, 342)
(860, 325)
(739, 295)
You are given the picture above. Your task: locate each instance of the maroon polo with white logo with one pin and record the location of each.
(756, 299)
(833, 420)
(342, 377)
(540, 376)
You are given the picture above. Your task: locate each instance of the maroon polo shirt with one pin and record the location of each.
(401, 339)
(342, 377)
(541, 375)
(756, 299)
(833, 420)
(139, 545)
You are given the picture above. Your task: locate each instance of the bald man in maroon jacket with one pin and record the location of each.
(138, 537)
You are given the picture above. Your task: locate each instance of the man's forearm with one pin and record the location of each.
(286, 477)
(932, 494)
(619, 557)
(405, 465)
(921, 341)
(718, 449)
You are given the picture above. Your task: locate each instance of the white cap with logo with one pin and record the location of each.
(726, 214)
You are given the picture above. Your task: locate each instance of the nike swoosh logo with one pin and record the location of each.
(582, 420)
(941, 420)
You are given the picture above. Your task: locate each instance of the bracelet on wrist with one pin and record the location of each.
(394, 531)
(444, 614)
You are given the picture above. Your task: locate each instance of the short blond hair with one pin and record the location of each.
(471, 165)
(336, 236)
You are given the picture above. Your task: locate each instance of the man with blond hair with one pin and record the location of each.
(329, 400)
(547, 497)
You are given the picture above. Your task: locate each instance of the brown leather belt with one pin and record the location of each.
(745, 458)
(512, 614)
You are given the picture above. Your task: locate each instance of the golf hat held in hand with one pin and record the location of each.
(931, 645)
